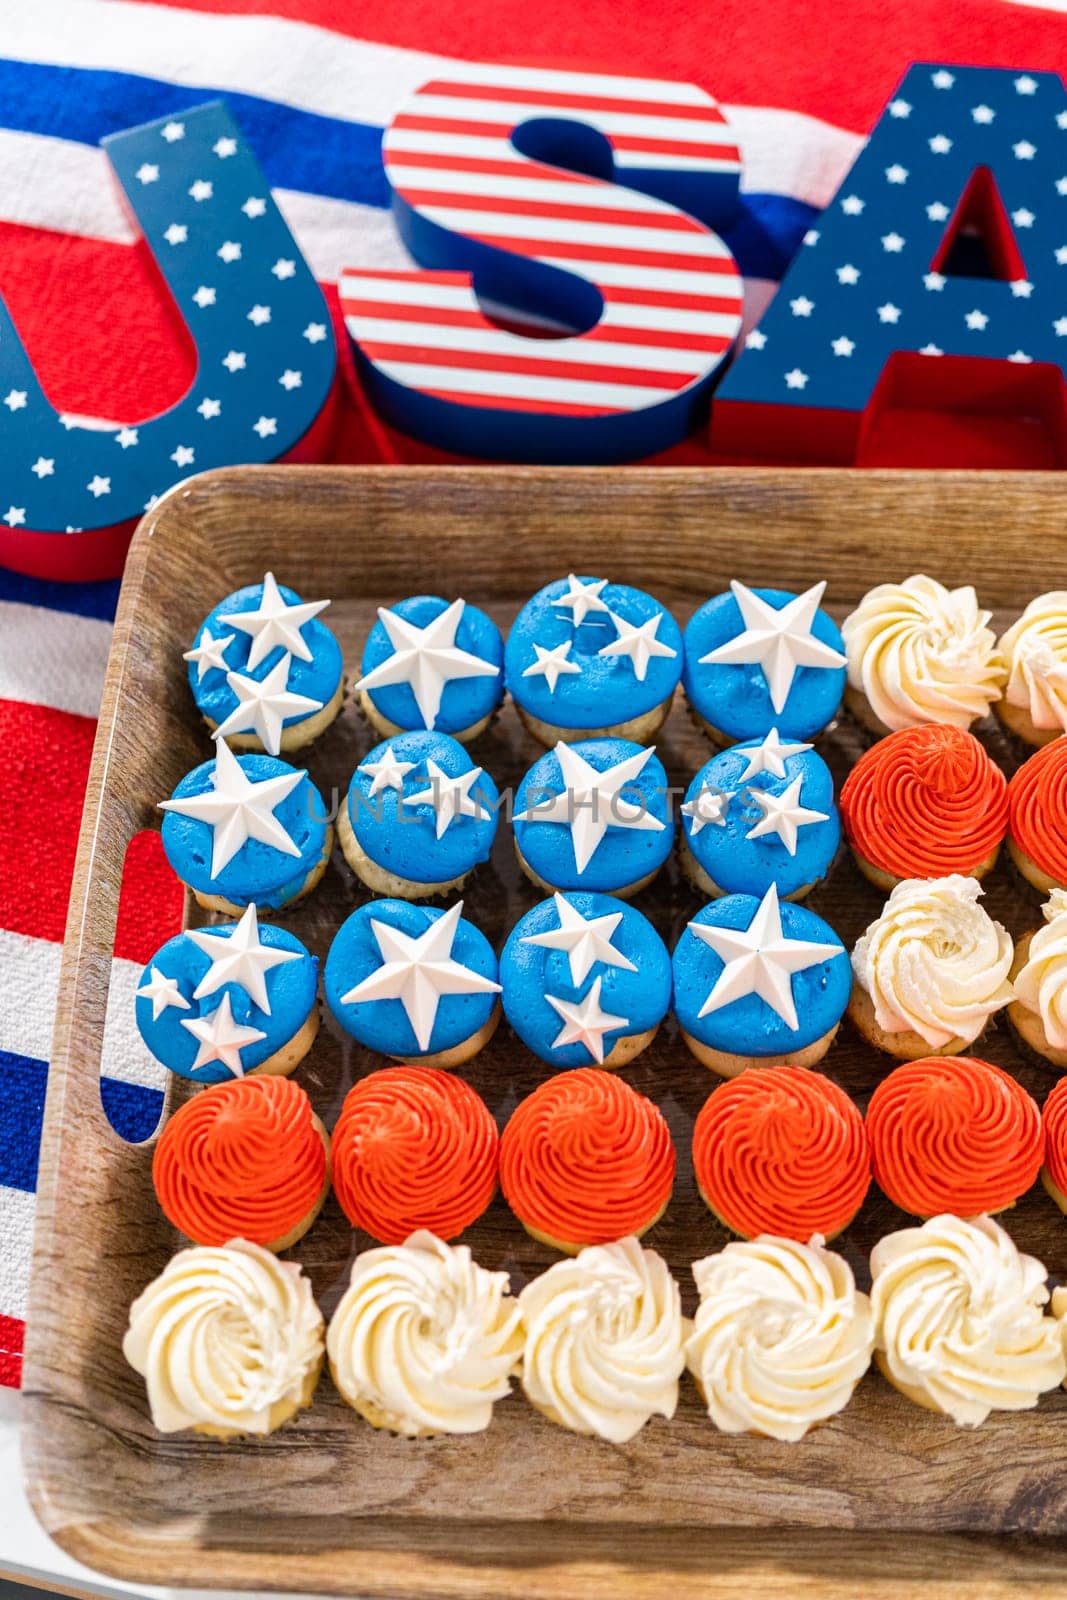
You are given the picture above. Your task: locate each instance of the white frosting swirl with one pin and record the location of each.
(227, 1338)
(1035, 653)
(1041, 984)
(959, 1319)
(781, 1336)
(424, 1340)
(923, 653)
(604, 1340)
(934, 961)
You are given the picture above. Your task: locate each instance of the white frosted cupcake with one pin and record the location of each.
(781, 1336)
(228, 1340)
(1034, 651)
(424, 1341)
(960, 1322)
(918, 652)
(603, 1348)
(1038, 1013)
(931, 970)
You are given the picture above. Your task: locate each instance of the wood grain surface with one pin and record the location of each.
(885, 1499)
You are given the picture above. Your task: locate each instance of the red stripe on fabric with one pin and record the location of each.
(575, 102)
(674, 299)
(624, 255)
(497, 402)
(151, 900)
(533, 366)
(518, 205)
(452, 317)
(12, 1334)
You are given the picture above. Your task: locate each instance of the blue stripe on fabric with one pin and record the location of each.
(132, 1110)
(22, 1089)
(97, 600)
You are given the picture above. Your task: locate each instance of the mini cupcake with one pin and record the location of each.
(757, 814)
(585, 1160)
(925, 802)
(588, 659)
(265, 673)
(246, 829)
(759, 984)
(223, 1002)
(414, 1147)
(1037, 806)
(412, 981)
(918, 652)
(586, 978)
(782, 1152)
(930, 971)
(424, 1341)
(603, 1334)
(1034, 652)
(960, 1324)
(1054, 1122)
(781, 1336)
(953, 1134)
(419, 816)
(1038, 1012)
(595, 815)
(431, 664)
(762, 659)
(244, 1160)
(228, 1340)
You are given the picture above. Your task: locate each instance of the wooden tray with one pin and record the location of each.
(886, 1498)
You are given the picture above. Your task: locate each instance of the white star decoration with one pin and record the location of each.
(638, 643)
(229, 251)
(147, 172)
(1024, 150)
(234, 360)
(778, 641)
(259, 315)
(848, 274)
(163, 992)
(976, 320)
(795, 379)
(941, 79)
(15, 516)
(177, 233)
(759, 960)
(265, 426)
(449, 797)
(1023, 217)
(284, 268)
(237, 809)
(783, 815)
(1026, 84)
(852, 205)
(126, 438)
(934, 280)
(387, 772)
(15, 400)
(224, 148)
(221, 1038)
(201, 190)
(265, 704)
(756, 340)
(209, 652)
(582, 598)
(290, 379)
(584, 1022)
(276, 623)
(899, 108)
(426, 659)
(937, 211)
(940, 145)
(44, 467)
(418, 972)
(315, 332)
(889, 312)
(204, 296)
(896, 173)
(586, 940)
(209, 409)
(708, 809)
(770, 756)
(183, 456)
(983, 114)
(98, 486)
(241, 958)
(590, 802)
(802, 306)
(552, 664)
(843, 346)
(893, 242)
(254, 207)
(173, 131)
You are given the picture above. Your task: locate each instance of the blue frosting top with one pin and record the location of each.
(257, 870)
(448, 663)
(454, 998)
(610, 653)
(580, 830)
(448, 832)
(815, 983)
(586, 966)
(742, 840)
(316, 678)
(734, 696)
(229, 1013)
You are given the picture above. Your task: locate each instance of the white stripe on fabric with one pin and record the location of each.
(30, 969)
(17, 1209)
(124, 1054)
(52, 658)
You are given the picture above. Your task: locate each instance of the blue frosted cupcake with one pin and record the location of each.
(431, 664)
(414, 983)
(594, 815)
(418, 817)
(222, 1002)
(586, 659)
(759, 984)
(248, 829)
(759, 813)
(757, 659)
(587, 980)
(264, 671)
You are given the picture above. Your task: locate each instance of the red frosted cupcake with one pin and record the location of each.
(1054, 1122)
(953, 1134)
(781, 1151)
(244, 1159)
(1037, 817)
(585, 1159)
(414, 1147)
(923, 803)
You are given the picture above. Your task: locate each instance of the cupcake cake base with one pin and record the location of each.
(729, 1065)
(905, 1045)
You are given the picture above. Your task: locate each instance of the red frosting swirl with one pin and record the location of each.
(925, 802)
(782, 1150)
(1037, 809)
(1054, 1121)
(952, 1133)
(241, 1159)
(585, 1159)
(414, 1147)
